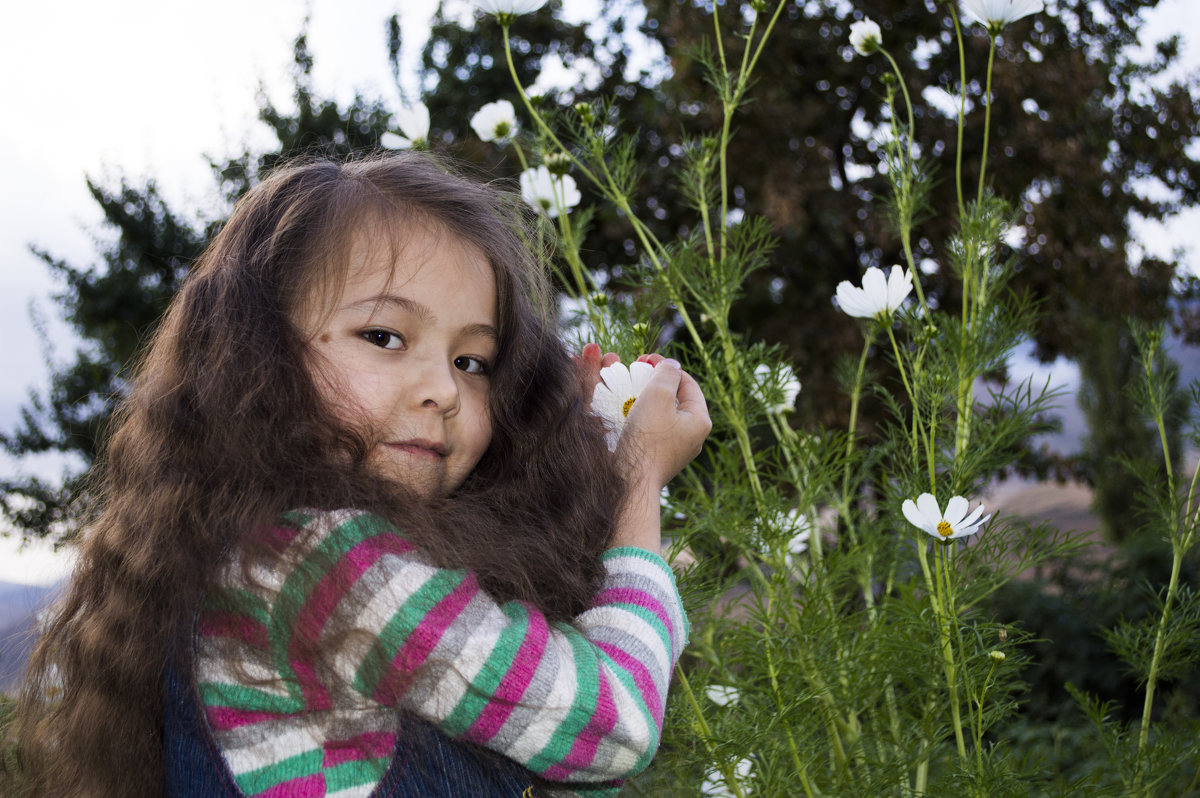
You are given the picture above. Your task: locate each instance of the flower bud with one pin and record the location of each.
(599, 299)
(558, 163)
(586, 114)
(997, 656)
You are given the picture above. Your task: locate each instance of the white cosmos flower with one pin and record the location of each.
(508, 8)
(413, 121)
(802, 530)
(995, 14)
(954, 523)
(722, 694)
(714, 785)
(777, 388)
(865, 36)
(618, 389)
(550, 194)
(879, 296)
(496, 121)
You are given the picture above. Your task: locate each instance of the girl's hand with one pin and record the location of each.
(664, 431)
(666, 426)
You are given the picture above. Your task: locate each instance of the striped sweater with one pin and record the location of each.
(580, 703)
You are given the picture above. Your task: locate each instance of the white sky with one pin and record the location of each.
(145, 88)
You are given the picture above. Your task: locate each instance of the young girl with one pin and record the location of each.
(357, 533)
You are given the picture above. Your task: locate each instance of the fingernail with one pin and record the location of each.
(673, 363)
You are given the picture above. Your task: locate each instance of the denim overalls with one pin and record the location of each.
(426, 764)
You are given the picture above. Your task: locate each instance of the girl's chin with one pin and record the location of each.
(417, 475)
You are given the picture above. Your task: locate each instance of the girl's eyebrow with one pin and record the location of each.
(421, 312)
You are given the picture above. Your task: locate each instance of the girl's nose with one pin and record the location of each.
(435, 387)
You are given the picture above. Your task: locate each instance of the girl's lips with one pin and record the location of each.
(420, 447)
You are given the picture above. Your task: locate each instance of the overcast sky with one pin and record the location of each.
(146, 88)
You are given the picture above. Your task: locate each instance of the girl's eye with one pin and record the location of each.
(471, 365)
(384, 339)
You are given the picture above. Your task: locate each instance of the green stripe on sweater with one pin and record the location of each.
(296, 591)
(395, 633)
(587, 684)
(294, 767)
(483, 688)
(355, 774)
(217, 694)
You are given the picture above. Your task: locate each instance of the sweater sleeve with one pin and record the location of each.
(580, 702)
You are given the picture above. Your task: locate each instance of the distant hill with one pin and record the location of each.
(19, 605)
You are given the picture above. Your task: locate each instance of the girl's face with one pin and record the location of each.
(407, 350)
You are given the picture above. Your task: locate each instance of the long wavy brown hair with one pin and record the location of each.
(222, 430)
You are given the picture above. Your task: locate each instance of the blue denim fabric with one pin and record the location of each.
(426, 764)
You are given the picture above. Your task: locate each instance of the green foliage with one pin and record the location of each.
(837, 650)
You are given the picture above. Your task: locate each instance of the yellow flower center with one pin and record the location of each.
(944, 529)
(628, 404)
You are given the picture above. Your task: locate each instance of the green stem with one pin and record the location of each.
(1155, 662)
(906, 209)
(537, 118)
(950, 666)
(773, 674)
(979, 718)
(856, 391)
(987, 120)
(962, 109)
(706, 733)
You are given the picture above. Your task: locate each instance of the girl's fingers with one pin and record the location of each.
(588, 363)
(691, 398)
(590, 355)
(587, 369)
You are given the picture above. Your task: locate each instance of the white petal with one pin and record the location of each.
(639, 374)
(971, 528)
(853, 301)
(875, 286)
(912, 514)
(928, 507)
(722, 695)
(617, 377)
(973, 518)
(900, 285)
(509, 6)
(956, 510)
(414, 121)
(394, 142)
(605, 403)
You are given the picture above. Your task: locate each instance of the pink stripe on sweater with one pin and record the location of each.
(321, 603)
(304, 787)
(641, 678)
(226, 718)
(280, 537)
(583, 750)
(515, 682)
(232, 625)
(368, 745)
(640, 598)
(422, 640)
